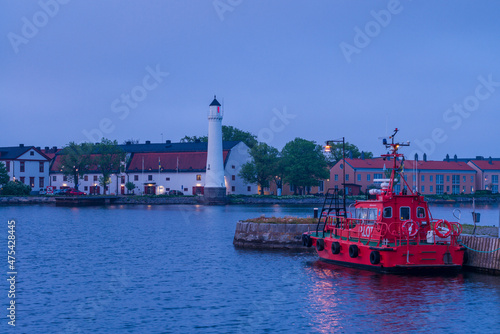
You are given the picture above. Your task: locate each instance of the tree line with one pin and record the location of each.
(301, 163)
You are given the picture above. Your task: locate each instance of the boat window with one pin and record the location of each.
(372, 214)
(404, 213)
(362, 213)
(420, 212)
(388, 212)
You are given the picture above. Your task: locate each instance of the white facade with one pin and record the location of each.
(30, 167)
(189, 183)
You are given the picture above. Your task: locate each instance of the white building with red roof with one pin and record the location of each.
(162, 168)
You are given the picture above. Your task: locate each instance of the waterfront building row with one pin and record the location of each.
(153, 168)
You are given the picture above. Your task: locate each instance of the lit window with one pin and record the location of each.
(198, 177)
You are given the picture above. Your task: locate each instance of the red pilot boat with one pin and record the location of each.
(393, 232)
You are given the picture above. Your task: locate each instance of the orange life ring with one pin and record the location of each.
(448, 226)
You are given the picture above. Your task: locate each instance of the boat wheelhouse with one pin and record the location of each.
(391, 232)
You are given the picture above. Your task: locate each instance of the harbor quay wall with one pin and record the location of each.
(271, 236)
(481, 254)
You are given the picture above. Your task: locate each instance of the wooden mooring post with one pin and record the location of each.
(483, 253)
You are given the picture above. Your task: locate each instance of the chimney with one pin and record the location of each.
(447, 158)
(54, 148)
(38, 148)
(425, 157)
(350, 154)
(455, 158)
(148, 142)
(490, 161)
(416, 156)
(21, 145)
(168, 141)
(362, 155)
(46, 148)
(128, 143)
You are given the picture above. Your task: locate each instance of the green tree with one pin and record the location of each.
(16, 188)
(107, 160)
(263, 167)
(304, 163)
(229, 133)
(130, 186)
(75, 161)
(4, 176)
(351, 150)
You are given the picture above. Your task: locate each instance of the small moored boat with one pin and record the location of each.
(391, 232)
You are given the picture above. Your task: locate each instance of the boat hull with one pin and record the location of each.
(415, 258)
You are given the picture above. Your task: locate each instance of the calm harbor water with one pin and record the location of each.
(173, 269)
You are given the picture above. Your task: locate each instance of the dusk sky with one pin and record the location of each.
(75, 70)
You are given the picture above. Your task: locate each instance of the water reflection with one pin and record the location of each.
(347, 299)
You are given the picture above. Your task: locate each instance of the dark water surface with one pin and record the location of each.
(173, 269)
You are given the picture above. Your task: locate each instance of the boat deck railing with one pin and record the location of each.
(397, 233)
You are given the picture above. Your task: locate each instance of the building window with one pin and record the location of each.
(32, 153)
(65, 178)
(150, 177)
(32, 182)
(463, 189)
(472, 178)
(494, 178)
(198, 177)
(367, 177)
(233, 189)
(439, 179)
(233, 177)
(136, 178)
(347, 177)
(186, 189)
(359, 177)
(422, 189)
(431, 178)
(95, 178)
(377, 176)
(123, 179)
(21, 179)
(21, 166)
(447, 178)
(7, 165)
(465, 178)
(336, 177)
(249, 188)
(455, 179)
(494, 188)
(439, 189)
(471, 190)
(321, 186)
(422, 178)
(54, 178)
(41, 182)
(86, 178)
(414, 178)
(233, 166)
(166, 179)
(447, 189)
(292, 188)
(85, 188)
(431, 188)
(40, 167)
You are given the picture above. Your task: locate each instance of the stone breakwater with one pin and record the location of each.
(8, 200)
(269, 236)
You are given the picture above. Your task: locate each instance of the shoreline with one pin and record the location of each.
(231, 200)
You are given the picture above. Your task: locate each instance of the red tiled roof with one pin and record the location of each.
(485, 165)
(195, 161)
(56, 165)
(409, 164)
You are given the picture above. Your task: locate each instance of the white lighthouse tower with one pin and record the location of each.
(215, 187)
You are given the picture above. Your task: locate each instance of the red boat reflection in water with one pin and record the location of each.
(352, 300)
